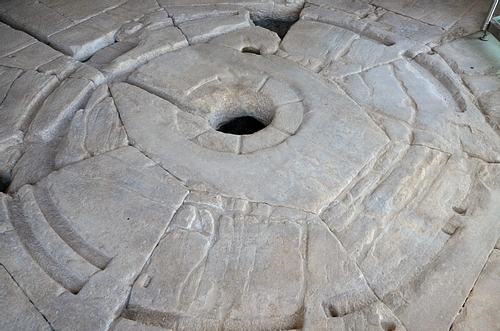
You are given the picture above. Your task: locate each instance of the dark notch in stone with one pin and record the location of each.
(4, 183)
(250, 50)
(281, 27)
(242, 125)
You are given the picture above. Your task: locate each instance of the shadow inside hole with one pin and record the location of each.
(4, 183)
(281, 27)
(241, 126)
(388, 326)
(332, 311)
(250, 50)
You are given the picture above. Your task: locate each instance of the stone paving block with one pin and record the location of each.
(161, 81)
(78, 11)
(211, 22)
(37, 19)
(59, 107)
(17, 311)
(122, 238)
(150, 44)
(252, 40)
(413, 29)
(443, 14)
(481, 308)
(94, 130)
(7, 77)
(348, 182)
(82, 41)
(460, 252)
(23, 99)
(61, 67)
(471, 56)
(24, 58)
(13, 40)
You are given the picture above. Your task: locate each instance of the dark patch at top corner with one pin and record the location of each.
(4, 183)
(279, 26)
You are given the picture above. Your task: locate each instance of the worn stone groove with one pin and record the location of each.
(370, 191)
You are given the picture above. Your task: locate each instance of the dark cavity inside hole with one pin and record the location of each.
(250, 50)
(4, 183)
(281, 27)
(242, 125)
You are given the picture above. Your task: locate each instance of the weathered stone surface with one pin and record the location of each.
(252, 40)
(344, 44)
(190, 87)
(472, 56)
(260, 9)
(8, 159)
(344, 178)
(7, 77)
(129, 325)
(59, 108)
(117, 240)
(438, 14)
(149, 44)
(202, 23)
(24, 97)
(481, 308)
(24, 58)
(94, 130)
(36, 18)
(13, 40)
(439, 291)
(16, 309)
(61, 67)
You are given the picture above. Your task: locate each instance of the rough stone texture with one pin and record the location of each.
(252, 40)
(481, 309)
(17, 312)
(177, 77)
(358, 188)
(113, 239)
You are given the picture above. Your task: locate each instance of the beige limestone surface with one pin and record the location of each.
(249, 165)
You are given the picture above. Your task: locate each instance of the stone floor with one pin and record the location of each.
(174, 165)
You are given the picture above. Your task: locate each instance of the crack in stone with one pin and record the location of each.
(27, 297)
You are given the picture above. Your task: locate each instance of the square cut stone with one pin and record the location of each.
(288, 117)
(218, 141)
(265, 138)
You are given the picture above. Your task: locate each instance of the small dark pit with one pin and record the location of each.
(242, 125)
(250, 50)
(281, 27)
(4, 183)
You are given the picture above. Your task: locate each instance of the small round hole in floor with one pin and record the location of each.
(250, 50)
(242, 125)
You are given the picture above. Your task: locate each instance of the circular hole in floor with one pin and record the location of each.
(241, 125)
